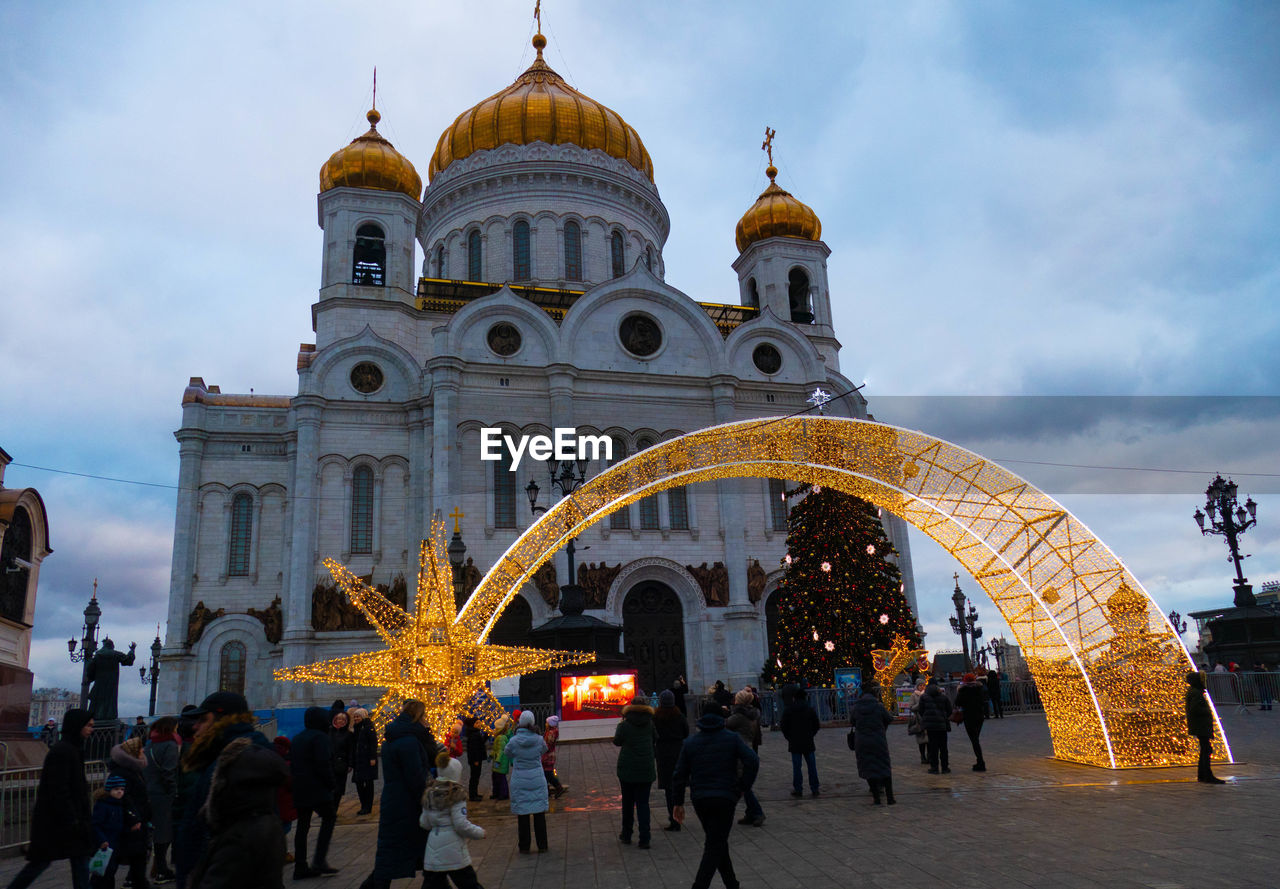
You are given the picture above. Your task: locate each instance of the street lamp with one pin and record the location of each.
(151, 677)
(566, 477)
(456, 551)
(1179, 625)
(88, 643)
(965, 624)
(1229, 519)
(998, 648)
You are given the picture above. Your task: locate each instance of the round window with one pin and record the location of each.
(366, 377)
(767, 358)
(504, 338)
(640, 335)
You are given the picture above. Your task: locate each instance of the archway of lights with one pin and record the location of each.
(1108, 667)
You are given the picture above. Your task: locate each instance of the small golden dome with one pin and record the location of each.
(370, 161)
(540, 107)
(776, 214)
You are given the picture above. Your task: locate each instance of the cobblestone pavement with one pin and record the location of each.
(1029, 821)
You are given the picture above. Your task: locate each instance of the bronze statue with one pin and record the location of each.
(755, 581)
(272, 620)
(200, 618)
(545, 580)
(104, 673)
(718, 594)
(471, 578)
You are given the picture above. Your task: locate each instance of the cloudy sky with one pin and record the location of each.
(1020, 200)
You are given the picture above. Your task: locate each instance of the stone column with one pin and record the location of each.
(186, 526)
(446, 380)
(302, 554)
(417, 512)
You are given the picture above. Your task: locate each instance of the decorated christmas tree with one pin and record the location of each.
(842, 595)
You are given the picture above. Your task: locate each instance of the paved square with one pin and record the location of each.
(1028, 822)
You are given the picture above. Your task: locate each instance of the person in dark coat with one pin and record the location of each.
(311, 762)
(408, 749)
(721, 695)
(162, 754)
(935, 717)
(220, 719)
(341, 750)
(800, 726)
(744, 718)
(715, 765)
(128, 763)
(364, 758)
(246, 839)
(870, 719)
(49, 734)
(993, 690)
(637, 768)
(476, 755)
(679, 689)
(971, 701)
(62, 821)
(1200, 726)
(118, 826)
(672, 727)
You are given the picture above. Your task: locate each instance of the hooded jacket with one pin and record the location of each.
(638, 738)
(672, 727)
(161, 774)
(407, 749)
(311, 760)
(525, 750)
(745, 720)
(1199, 714)
(869, 719)
(444, 813)
(246, 837)
(61, 825)
(709, 761)
(935, 709)
(364, 763)
(971, 698)
(800, 724)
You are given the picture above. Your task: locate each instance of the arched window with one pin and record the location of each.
(474, 266)
(231, 664)
(621, 519)
(504, 490)
(798, 294)
(753, 294)
(362, 510)
(678, 508)
(648, 505)
(369, 263)
(618, 254)
(572, 251)
(520, 251)
(440, 261)
(241, 535)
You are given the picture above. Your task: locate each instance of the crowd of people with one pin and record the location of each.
(206, 801)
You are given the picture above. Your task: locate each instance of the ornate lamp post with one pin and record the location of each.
(88, 643)
(457, 552)
(965, 624)
(1229, 519)
(1179, 625)
(998, 650)
(150, 677)
(566, 477)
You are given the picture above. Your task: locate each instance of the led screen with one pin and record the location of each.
(596, 697)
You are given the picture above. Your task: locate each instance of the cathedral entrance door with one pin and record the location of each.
(653, 634)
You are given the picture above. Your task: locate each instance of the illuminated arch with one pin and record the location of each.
(1108, 666)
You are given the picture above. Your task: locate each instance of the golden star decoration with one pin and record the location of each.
(430, 656)
(890, 662)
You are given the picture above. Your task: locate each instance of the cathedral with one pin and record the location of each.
(540, 304)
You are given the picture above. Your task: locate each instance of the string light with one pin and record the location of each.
(888, 663)
(430, 655)
(1048, 575)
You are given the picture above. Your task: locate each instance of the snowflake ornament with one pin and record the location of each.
(830, 646)
(871, 550)
(884, 618)
(826, 566)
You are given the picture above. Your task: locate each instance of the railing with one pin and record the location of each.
(18, 800)
(1244, 690)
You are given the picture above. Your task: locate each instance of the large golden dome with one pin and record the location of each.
(370, 161)
(776, 214)
(540, 107)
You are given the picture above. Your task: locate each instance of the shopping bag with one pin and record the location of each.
(98, 863)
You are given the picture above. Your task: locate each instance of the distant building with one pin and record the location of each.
(51, 703)
(1269, 593)
(1013, 664)
(24, 542)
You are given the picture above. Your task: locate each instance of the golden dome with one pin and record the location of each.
(776, 214)
(540, 107)
(370, 161)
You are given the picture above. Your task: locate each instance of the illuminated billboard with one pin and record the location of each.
(596, 697)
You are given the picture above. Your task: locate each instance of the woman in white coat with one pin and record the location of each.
(528, 784)
(444, 813)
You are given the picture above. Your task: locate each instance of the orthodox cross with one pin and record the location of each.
(456, 515)
(767, 144)
(375, 87)
(537, 14)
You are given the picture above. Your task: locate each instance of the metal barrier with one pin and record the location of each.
(18, 800)
(1244, 690)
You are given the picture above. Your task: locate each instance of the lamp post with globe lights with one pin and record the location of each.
(88, 643)
(152, 675)
(1227, 518)
(566, 476)
(965, 623)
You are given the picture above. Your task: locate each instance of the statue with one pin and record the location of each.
(200, 618)
(272, 620)
(104, 674)
(545, 580)
(471, 578)
(718, 594)
(755, 581)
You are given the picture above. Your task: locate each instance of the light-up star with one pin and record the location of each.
(819, 398)
(430, 656)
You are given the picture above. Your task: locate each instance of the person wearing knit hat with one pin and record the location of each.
(552, 736)
(528, 783)
(444, 814)
(503, 729)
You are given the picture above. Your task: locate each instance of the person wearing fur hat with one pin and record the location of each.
(672, 727)
(525, 750)
(637, 738)
(1200, 726)
(971, 701)
(444, 814)
(551, 737)
(503, 729)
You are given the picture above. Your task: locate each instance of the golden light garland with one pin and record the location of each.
(430, 655)
(889, 662)
(1110, 678)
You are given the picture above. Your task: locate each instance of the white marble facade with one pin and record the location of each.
(297, 458)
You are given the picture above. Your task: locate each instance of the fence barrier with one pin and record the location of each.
(18, 800)
(1244, 690)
